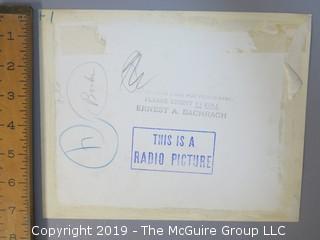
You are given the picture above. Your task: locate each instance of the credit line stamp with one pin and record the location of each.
(173, 150)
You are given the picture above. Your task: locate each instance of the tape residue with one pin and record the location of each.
(293, 80)
(82, 40)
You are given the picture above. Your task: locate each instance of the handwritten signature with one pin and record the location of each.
(90, 97)
(132, 79)
(87, 89)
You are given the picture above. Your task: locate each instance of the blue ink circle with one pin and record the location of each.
(107, 162)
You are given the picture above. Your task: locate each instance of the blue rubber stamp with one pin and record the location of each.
(172, 150)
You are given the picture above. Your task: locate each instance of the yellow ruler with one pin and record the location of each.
(15, 122)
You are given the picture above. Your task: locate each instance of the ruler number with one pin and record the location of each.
(12, 209)
(10, 66)
(12, 182)
(11, 125)
(10, 36)
(11, 95)
(12, 236)
(11, 153)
